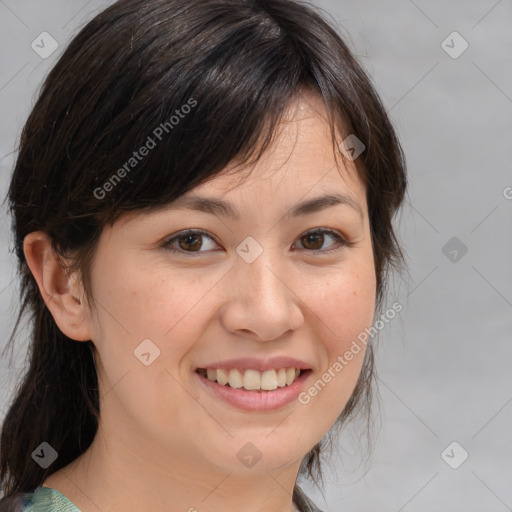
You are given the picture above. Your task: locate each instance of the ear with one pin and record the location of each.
(61, 291)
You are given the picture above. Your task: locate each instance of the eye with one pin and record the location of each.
(189, 241)
(316, 237)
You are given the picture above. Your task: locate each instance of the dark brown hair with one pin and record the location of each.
(237, 64)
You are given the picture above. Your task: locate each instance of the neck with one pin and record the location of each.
(114, 474)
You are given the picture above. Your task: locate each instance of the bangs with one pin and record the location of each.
(202, 85)
(169, 94)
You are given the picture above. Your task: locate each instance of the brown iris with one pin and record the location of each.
(193, 246)
(312, 236)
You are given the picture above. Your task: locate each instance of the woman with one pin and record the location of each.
(202, 207)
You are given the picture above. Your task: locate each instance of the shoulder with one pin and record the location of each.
(41, 499)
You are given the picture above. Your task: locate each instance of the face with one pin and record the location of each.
(253, 300)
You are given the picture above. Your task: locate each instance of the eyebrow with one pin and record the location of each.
(219, 207)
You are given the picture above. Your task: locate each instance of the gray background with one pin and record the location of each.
(444, 362)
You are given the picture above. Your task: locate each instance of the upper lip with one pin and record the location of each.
(261, 365)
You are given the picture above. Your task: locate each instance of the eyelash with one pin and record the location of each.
(341, 241)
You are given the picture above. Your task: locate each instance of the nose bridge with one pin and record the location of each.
(262, 276)
(266, 301)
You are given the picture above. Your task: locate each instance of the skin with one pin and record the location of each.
(163, 440)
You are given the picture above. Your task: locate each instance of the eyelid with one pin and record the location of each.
(339, 237)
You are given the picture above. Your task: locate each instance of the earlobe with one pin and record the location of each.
(60, 290)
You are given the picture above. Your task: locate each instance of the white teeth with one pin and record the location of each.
(269, 380)
(253, 380)
(222, 377)
(236, 379)
(281, 377)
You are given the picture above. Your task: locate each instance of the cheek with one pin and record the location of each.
(151, 303)
(145, 303)
(343, 311)
(133, 307)
(345, 305)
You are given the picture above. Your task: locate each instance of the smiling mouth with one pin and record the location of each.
(252, 380)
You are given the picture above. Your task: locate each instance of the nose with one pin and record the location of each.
(262, 303)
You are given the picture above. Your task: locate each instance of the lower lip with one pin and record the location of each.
(257, 400)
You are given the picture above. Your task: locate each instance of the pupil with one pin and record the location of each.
(188, 237)
(312, 236)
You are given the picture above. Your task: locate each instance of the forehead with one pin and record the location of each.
(298, 166)
(300, 158)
